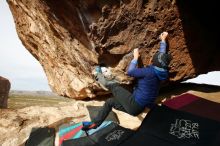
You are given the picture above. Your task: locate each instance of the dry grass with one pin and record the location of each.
(17, 101)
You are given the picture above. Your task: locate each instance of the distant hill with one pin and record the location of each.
(33, 93)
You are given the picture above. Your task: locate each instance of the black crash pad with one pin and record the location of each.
(93, 112)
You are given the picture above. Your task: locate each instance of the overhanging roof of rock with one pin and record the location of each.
(69, 38)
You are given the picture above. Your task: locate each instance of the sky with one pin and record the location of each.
(212, 78)
(25, 72)
(16, 63)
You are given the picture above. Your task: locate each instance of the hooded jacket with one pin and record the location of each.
(148, 81)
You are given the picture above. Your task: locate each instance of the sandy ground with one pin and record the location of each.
(209, 96)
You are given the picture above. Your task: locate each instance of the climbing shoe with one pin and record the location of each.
(107, 73)
(89, 125)
(96, 70)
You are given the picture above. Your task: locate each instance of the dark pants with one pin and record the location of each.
(122, 100)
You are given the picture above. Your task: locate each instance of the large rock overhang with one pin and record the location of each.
(69, 38)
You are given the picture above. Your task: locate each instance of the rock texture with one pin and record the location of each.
(16, 124)
(4, 90)
(69, 38)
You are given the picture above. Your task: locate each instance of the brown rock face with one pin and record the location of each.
(4, 90)
(69, 38)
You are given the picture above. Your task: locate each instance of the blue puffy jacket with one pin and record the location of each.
(148, 81)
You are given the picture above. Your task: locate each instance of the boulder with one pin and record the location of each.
(69, 38)
(4, 91)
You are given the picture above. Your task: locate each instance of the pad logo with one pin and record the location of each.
(115, 135)
(184, 129)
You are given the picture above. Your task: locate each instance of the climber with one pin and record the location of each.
(144, 93)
